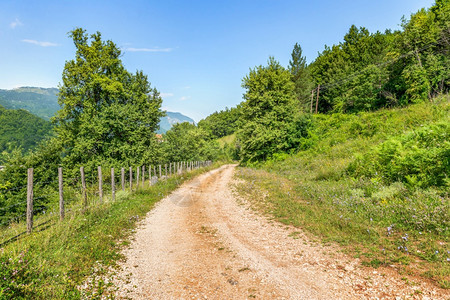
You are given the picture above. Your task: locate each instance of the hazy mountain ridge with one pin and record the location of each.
(171, 119)
(43, 102)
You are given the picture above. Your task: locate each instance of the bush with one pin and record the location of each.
(418, 159)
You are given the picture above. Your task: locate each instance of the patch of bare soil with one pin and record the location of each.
(199, 243)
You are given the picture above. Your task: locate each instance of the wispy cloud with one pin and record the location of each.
(15, 23)
(185, 98)
(42, 44)
(130, 49)
(166, 95)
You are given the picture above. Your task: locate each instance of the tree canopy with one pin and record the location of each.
(108, 114)
(368, 71)
(268, 112)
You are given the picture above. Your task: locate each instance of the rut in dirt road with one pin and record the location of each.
(199, 243)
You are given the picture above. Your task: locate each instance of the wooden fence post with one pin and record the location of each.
(113, 185)
(100, 184)
(83, 187)
(30, 200)
(137, 178)
(122, 174)
(149, 175)
(61, 197)
(131, 179)
(143, 176)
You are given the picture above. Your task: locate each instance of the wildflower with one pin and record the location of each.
(436, 252)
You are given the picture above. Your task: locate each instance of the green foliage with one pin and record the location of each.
(45, 160)
(268, 113)
(369, 71)
(300, 77)
(419, 159)
(187, 142)
(220, 124)
(108, 114)
(20, 129)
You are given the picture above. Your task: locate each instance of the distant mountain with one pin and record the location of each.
(39, 101)
(43, 103)
(171, 119)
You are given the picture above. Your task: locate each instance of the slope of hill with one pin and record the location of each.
(39, 101)
(43, 103)
(19, 128)
(376, 182)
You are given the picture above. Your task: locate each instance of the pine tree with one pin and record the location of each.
(301, 77)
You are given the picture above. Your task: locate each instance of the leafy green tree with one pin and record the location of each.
(220, 124)
(267, 112)
(108, 115)
(45, 160)
(187, 142)
(301, 77)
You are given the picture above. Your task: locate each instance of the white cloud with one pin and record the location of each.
(185, 98)
(42, 44)
(15, 23)
(166, 95)
(148, 49)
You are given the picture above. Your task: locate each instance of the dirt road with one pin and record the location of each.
(202, 243)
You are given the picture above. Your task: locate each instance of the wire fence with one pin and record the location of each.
(58, 197)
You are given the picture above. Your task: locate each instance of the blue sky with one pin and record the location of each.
(194, 52)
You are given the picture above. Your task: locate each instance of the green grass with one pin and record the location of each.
(381, 222)
(55, 262)
(229, 139)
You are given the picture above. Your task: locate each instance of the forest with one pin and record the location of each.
(21, 129)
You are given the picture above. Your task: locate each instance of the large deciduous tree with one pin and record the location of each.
(268, 113)
(107, 114)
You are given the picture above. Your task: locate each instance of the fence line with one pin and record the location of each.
(140, 177)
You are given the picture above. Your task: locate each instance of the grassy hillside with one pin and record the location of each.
(19, 128)
(39, 101)
(387, 214)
